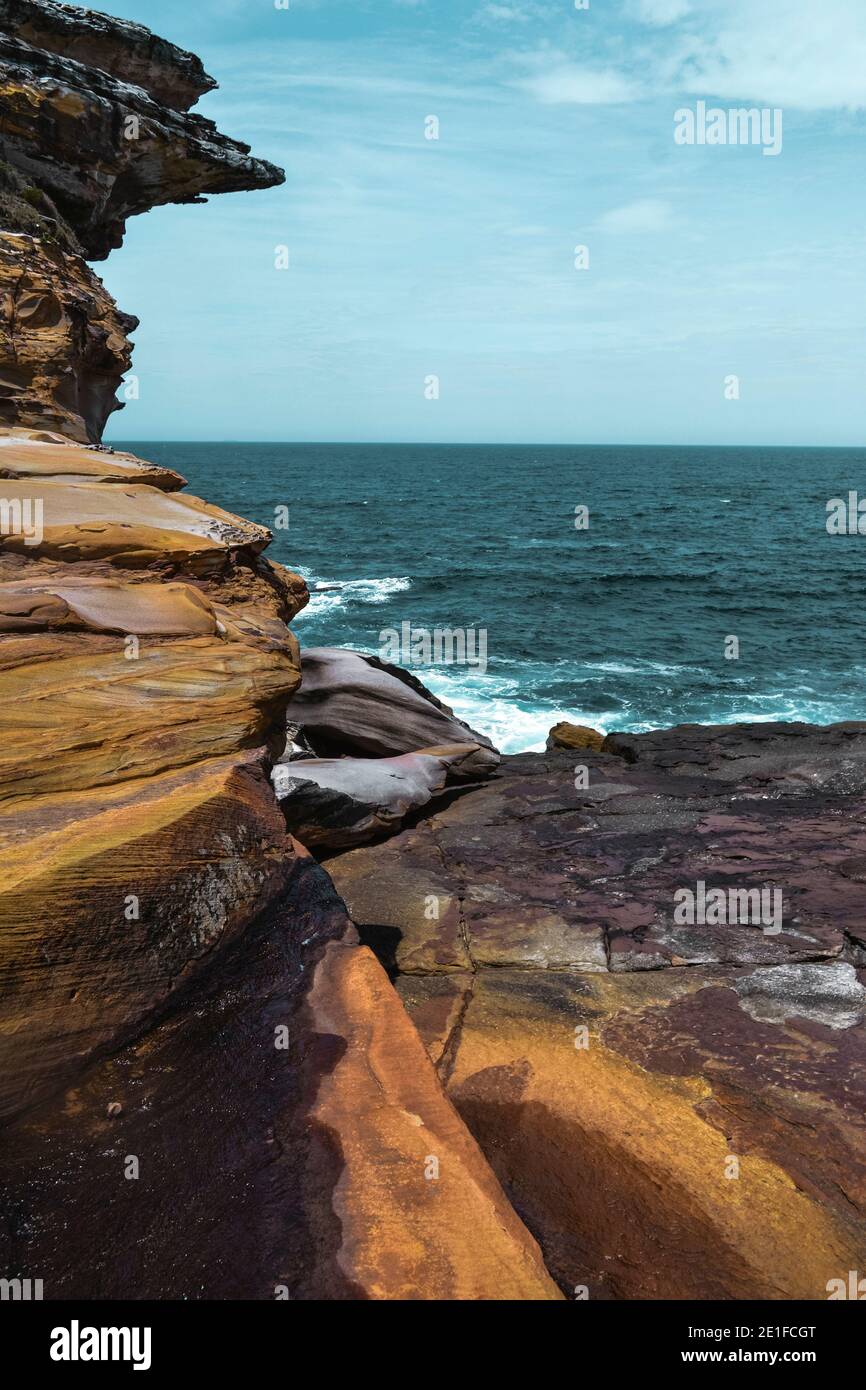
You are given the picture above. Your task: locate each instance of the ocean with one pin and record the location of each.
(623, 624)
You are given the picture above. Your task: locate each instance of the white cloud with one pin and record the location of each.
(662, 12)
(644, 215)
(795, 53)
(569, 83)
(519, 12)
(505, 12)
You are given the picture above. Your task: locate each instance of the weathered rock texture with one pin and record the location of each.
(675, 1110)
(145, 666)
(63, 341)
(94, 129)
(169, 74)
(178, 982)
(265, 1170)
(99, 149)
(201, 1056)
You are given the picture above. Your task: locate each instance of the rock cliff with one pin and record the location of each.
(168, 952)
(95, 128)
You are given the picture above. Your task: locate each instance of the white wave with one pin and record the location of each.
(327, 595)
(638, 667)
(514, 726)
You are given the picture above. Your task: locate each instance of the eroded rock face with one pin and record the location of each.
(25, 456)
(354, 704)
(682, 1150)
(94, 129)
(63, 342)
(145, 667)
(111, 901)
(674, 1107)
(284, 1137)
(100, 149)
(169, 74)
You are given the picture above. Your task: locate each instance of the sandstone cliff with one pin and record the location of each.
(178, 979)
(94, 129)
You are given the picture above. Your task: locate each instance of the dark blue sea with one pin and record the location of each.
(622, 625)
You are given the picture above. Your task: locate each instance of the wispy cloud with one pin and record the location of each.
(511, 12)
(456, 256)
(565, 83)
(661, 12)
(644, 215)
(805, 55)
(793, 53)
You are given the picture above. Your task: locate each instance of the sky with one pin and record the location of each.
(723, 301)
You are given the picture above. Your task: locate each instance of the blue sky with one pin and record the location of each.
(455, 258)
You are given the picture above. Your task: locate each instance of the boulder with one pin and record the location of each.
(353, 703)
(565, 735)
(335, 802)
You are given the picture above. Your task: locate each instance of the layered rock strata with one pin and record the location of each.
(596, 1088)
(169, 955)
(145, 663)
(94, 128)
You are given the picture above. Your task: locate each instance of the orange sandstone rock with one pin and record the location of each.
(103, 605)
(296, 1171)
(145, 669)
(35, 454)
(138, 830)
(134, 525)
(113, 896)
(565, 735)
(676, 1110)
(421, 1216)
(649, 1163)
(64, 345)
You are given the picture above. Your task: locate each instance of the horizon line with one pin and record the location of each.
(471, 444)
